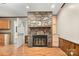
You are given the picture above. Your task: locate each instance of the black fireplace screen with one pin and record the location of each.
(39, 40)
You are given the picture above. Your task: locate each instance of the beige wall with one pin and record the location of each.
(55, 41)
(68, 23)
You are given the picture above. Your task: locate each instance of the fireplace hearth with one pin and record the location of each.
(40, 40)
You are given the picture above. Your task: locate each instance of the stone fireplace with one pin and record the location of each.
(40, 31)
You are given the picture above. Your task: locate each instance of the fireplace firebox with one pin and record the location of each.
(40, 40)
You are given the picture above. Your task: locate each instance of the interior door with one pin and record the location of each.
(18, 33)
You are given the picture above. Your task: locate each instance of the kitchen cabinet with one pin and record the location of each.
(1, 39)
(4, 39)
(4, 24)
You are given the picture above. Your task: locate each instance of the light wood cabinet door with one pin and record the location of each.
(2, 39)
(4, 23)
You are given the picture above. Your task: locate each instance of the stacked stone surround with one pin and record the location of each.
(40, 23)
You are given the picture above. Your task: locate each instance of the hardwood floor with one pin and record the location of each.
(28, 51)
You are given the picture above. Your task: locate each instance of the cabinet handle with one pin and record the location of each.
(16, 28)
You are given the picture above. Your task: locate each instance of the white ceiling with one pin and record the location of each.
(19, 9)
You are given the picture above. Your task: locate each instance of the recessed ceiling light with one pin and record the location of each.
(27, 7)
(53, 6)
(71, 6)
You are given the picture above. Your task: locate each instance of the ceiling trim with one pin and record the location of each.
(63, 5)
(61, 8)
